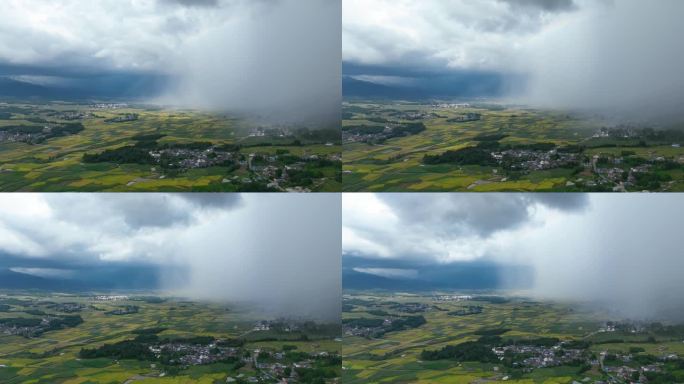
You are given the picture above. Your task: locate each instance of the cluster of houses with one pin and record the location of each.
(621, 132)
(466, 117)
(185, 158)
(123, 118)
(354, 136)
(67, 307)
(264, 366)
(451, 105)
(110, 298)
(125, 310)
(109, 106)
(269, 131)
(72, 115)
(412, 307)
(27, 331)
(268, 169)
(365, 332)
(621, 370)
(456, 298)
(540, 356)
(413, 115)
(187, 354)
(16, 137)
(368, 332)
(534, 160)
(361, 136)
(280, 325)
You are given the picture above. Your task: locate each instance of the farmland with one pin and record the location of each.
(165, 340)
(405, 146)
(120, 147)
(481, 338)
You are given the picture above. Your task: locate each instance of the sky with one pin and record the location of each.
(279, 251)
(265, 57)
(622, 251)
(610, 55)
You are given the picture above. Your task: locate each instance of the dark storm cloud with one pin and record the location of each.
(279, 61)
(584, 55)
(545, 5)
(140, 211)
(479, 214)
(192, 3)
(213, 200)
(622, 251)
(278, 251)
(602, 63)
(282, 251)
(562, 201)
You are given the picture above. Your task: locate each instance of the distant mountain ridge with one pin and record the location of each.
(15, 280)
(461, 275)
(358, 83)
(133, 277)
(78, 88)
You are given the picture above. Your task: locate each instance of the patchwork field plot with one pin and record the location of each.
(464, 338)
(402, 146)
(120, 147)
(145, 339)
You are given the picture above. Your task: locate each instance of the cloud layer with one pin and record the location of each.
(617, 57)
(618, 250)
(444, 34)
(279, 251)
(277, 59)
(441, 227)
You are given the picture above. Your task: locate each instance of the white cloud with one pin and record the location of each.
(623, 251)
(444, 227)
(277, 60)
(617, 57)
(457, 34)
(279, 250)
(114, 34)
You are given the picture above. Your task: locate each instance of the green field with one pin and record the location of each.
(54, 356)
(397, 164)
(57, 163)
(396, 357)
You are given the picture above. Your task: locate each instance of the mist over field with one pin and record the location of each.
(618, 251)
(280, 61)
(620, 58)
(280, 253)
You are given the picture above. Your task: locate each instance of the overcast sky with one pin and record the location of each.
(278, 250)
(608, 54)
(265, 56)
(620, 249)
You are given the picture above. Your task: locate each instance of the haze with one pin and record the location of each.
(620, 251)
(275, 60)
(280, 252)
(617, 57)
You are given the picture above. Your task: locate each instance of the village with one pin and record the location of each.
(374, 134)
(535, 356)
(261, 365)
(123, 118)
(34, 327)
(33, 134)
(277, 172)
(534, 160)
